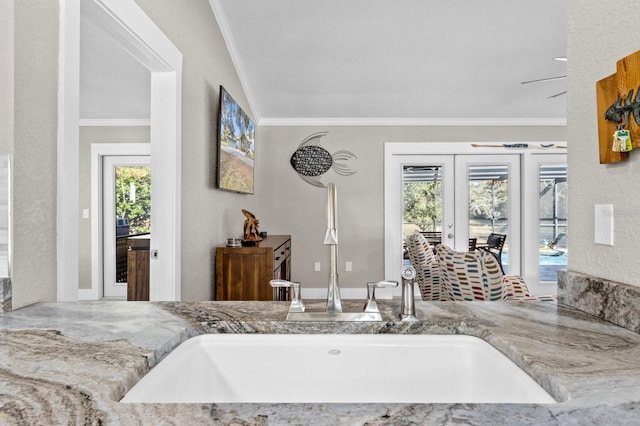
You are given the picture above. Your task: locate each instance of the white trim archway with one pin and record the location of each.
(139, 35)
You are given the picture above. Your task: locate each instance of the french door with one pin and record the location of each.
(456, 198)
(126, 211)
(545, 219)
(474, 192)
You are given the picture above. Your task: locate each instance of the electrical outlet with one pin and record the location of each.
(349, 266)
(316, 267)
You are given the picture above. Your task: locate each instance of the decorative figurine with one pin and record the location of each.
(619, 111)
(251, 232)
(311, 160)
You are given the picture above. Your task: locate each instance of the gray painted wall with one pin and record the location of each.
(288, 205)
(594, 46)
(209, 216)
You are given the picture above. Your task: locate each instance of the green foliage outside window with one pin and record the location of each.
(133, 197)
(488, 199)
(423, 204)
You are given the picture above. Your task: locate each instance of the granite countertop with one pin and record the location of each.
(70, 363)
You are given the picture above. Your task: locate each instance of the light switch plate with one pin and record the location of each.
(603, 232)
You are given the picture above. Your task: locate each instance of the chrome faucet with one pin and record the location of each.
(296, 301)
(333, 310)
(371, 305)
(331, 239)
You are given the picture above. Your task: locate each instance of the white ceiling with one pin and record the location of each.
(398, 61)
(366, 61)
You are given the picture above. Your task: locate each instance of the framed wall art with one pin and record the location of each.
(236, 147)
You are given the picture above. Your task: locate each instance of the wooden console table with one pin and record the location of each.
(243, 273)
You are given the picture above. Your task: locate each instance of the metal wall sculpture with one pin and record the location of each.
(311, 161)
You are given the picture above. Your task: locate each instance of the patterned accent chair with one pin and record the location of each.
(476, 275)
(427, 271)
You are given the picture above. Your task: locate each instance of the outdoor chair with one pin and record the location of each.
(494, 245)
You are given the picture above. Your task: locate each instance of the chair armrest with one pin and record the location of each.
(514, 287)
(517, 290)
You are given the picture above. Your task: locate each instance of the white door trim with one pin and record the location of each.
(111, 287)
(139, 35)
(530, 220)
(98, 151)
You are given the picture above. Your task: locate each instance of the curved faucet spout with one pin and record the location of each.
(331, 238)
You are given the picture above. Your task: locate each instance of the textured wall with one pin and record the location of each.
(209, 216)
(288, 205)
(6, 76)
(594, 46)
(35, 150)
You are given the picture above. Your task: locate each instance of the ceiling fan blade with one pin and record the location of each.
(556, 95)
(544, 79)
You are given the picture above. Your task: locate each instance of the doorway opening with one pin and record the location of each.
(105, 159)
(126, 212)
(127, 23)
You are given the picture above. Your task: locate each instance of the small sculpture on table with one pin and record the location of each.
(251, 233)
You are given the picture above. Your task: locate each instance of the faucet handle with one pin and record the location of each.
(383, 284)
(281, 283)
(296, 301)
(371, 305)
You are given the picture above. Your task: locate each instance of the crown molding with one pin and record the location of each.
(412, 122)
(227, 35)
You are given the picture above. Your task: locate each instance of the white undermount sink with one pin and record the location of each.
(379, 368)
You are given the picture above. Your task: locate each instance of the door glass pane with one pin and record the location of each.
(489, 204)
(133, 210)
(552, 220)
(422, 200)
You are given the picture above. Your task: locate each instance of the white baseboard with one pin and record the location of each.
(544, 289)
(87, 294)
